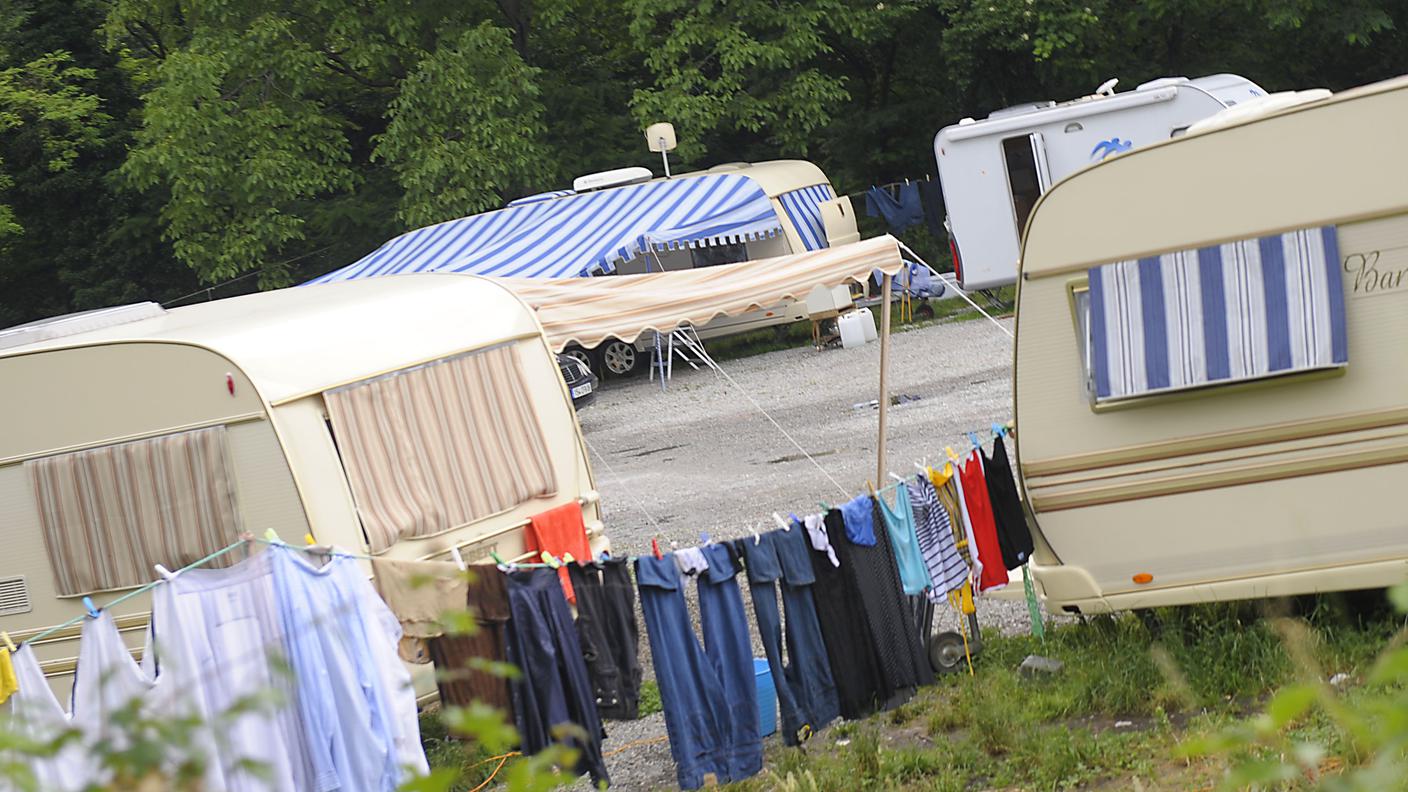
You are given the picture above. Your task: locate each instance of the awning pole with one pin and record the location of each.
(884, 382)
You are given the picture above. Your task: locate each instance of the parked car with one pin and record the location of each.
(581, 382)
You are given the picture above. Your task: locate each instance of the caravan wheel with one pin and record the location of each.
(946, 653)
(619, 359)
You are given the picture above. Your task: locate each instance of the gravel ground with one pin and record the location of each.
(700, 458)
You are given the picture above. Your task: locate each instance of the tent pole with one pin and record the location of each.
(884, 382)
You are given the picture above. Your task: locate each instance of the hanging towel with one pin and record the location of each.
(979, 507)
(558, 531)
(420, 593)
(931, 195)
(460, 684)
(899, 523)
(900, 211)
(8, 683)
(1012, 534)
(859, 514)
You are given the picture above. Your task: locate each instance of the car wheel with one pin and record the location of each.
(581, 356)
(946, 652)
(619, 359)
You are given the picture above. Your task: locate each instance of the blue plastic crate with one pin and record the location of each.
(767, 697)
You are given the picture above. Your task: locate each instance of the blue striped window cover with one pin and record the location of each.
(803, 208)
(1238, 311)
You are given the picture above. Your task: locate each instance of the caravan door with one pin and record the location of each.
(1028, 175)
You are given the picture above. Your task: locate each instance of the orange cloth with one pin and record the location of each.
(560, 531)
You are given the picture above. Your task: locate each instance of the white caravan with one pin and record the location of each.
(993, 171)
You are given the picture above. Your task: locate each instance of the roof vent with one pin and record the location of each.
(14, 596)
(75, 323)
(1029, 107)
(611, 178)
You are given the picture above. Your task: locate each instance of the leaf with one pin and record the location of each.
(1290, 703)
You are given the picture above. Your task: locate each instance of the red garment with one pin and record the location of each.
(975, 498)
(560, 531)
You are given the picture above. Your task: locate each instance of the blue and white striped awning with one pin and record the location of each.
(803, 208)
(578, 234)
(1238, 311)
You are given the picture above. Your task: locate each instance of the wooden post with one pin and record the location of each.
(884, 383)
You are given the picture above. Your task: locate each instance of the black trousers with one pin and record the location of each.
(554, 688)
(610, 635)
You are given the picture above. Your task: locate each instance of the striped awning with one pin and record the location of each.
(1242, 310)
(803, 208)
(579, 233)
(588, 311)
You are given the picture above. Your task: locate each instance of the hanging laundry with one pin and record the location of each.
(218, 634)
(931, 195)
(354, 696)
(805, 691)
(850, 650)
(554, 688)
(420, 593)
(976, 503)
(708, 692)
(900, 210)
(859, 514)
(1012, 534)
(560, 531)
(690, 561)
(36, 715)
(945, 481)
(899, 523)
(460, 684)
(904, 661)
(816, 535)
(606, 626)
(8, 683)
(946, 566)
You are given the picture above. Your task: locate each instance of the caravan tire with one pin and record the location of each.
(946, 652)
(619, 359)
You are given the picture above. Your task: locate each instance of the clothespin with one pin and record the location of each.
(824, 507)
(92, 609)
(795, 519)
(459, 559)
(498, 559)
(781, 523)
(5, 636)
(703, 538)
(973, 438)
(272, 537)
(952, 455)
(165, 573)
(757, 537)
(549, 560)
(567, 558)
(308, 540)
(998, 430)
(896, 478)
(655, 547)
(870, 487)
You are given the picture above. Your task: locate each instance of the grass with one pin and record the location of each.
(1133, 689)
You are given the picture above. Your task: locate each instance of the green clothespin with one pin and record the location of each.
(549, 560)
(494, 554)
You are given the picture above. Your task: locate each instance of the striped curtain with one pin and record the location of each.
(441, 445)
(110, 514)
(803, 208)
(1233, 312)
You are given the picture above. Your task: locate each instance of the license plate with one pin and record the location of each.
(582, 390)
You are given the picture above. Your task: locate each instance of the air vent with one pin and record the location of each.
(14, 596)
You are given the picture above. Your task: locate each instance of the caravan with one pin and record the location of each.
(993, 171)
(137, 435)
(1211, 381)
(627, 222)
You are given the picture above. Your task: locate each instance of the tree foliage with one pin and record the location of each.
(150, 146)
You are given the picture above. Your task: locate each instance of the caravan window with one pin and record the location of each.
(1022, 178)
(714, 255)
(109, 514)
(439, 446)
(1244, 310)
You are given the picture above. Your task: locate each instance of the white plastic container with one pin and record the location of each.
(856, 328)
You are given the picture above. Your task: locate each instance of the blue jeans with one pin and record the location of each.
(806, 694)
(708, 692)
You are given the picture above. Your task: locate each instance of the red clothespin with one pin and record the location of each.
(655, 547)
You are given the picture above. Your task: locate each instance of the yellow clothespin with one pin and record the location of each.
(272, 536)
(549, 560)
(9, 644)
(308, 539)
(567, 558)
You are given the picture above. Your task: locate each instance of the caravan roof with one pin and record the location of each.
(292, 342)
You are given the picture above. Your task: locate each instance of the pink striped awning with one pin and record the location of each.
(589, 310)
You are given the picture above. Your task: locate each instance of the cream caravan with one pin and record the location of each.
(139, 435)
(1211, 378)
